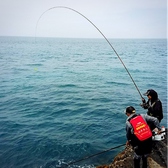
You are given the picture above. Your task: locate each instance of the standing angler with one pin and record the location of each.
(154, 105)
(139, 135)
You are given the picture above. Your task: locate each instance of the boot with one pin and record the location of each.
(144, 161)
(136, 163)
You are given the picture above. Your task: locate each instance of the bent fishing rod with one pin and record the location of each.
(100, 33)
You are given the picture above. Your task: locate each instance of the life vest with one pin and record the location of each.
(140, 127)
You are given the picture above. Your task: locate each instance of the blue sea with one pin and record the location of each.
(63, 99)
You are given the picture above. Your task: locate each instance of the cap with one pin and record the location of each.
(152, 93)
(147, 92)
(130, 110)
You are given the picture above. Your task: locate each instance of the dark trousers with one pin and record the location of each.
(141, 149)
(138, 160)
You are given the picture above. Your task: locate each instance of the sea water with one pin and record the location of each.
(62, 100)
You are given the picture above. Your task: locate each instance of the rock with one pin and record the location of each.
(156, 159)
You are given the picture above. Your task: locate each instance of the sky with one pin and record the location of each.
(114, 18)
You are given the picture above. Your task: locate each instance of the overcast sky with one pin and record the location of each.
(115, 18)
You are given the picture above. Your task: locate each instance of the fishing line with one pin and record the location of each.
(88, 157)
(100, 33)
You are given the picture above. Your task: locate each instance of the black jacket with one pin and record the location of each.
(154, 106)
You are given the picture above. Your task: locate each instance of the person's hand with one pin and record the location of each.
(142, 105)
(159, 132)
(127, 143)
(145, 105)
(143, 100)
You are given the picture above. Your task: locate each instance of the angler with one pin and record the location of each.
(153, 105)
(140, 139)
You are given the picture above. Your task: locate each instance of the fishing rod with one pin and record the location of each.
(101, 34)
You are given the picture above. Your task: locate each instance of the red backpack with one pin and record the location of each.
(141, 128)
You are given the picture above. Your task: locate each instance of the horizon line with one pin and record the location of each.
(84, 37)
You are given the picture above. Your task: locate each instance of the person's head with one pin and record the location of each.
(151, 94)
(130, 110)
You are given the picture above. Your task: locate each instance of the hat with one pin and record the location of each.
(150, 92)
(147, 92)
(130, 110)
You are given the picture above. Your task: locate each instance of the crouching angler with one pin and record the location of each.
(153, 104)
(139, 135)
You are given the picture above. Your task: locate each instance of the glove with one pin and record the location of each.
(145, 105)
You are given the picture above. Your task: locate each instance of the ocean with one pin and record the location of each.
(63, 99)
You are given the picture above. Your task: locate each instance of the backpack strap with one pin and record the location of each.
(133, 117)
(154, 103)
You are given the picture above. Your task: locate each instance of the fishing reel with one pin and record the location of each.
(158, 137)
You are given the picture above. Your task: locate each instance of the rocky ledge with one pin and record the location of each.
(157, 158)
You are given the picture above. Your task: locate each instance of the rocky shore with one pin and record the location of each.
(157, 158)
